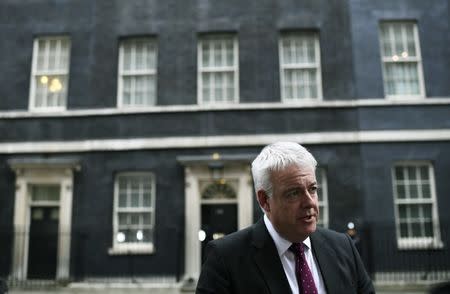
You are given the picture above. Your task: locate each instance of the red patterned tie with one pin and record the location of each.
(304, 277)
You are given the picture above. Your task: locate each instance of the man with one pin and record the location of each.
(284, 252)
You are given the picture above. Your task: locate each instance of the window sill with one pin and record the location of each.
(405, 97)
(419, 244)
(132, 250)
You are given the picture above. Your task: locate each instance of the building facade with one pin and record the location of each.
(128, 129)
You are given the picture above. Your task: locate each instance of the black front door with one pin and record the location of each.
(218, 220)
(42, 249)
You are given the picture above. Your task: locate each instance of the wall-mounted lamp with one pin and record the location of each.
(216, 168)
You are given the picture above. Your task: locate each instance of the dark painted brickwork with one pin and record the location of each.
(178, 124)
(206, 123)
(95, 28)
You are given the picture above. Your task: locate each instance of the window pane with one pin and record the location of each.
(147, 198)
(411, 171)
(205, 54)
(401, 63)
(410, 43)
(404, 230)
(402, 78)
(131, 235)
(427, 211)
(299, 66)
(217, 72)
(402, 212)
(146, 220)
(147, 235)
(50, 75)
(414, 211)
(127, 61)
(416, 217)
(413, 191)
(399, 173)
(123, 199)
(424, 173)
(401, 191)
(135, 193)
(135, 218)
(50, 90)
(45, 192)
(123, 219)
(428, 227)
(230, 53)
(217, 51)
(138, 72)
(416, 231)
(426, 191)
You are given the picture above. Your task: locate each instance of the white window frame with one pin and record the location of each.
(132, 248)
(400, 59)
(234, 69)
(121, 73)
(39, 72)
(323, 201)
(312, 65)
(417, 242)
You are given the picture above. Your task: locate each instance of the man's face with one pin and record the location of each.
(293, 207)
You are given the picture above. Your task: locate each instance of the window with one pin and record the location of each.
(415, 204)
(323, 197)
(137, 72)
(400, 53)
(50, 73)
(218, 70)
(134, 213)
(300, 67)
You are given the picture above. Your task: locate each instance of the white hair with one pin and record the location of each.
(278, 156)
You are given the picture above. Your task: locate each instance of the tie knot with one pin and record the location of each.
(297, 249)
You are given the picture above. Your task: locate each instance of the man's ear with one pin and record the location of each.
(263, 200)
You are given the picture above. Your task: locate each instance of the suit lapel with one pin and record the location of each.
(326, 259)
(267, 259)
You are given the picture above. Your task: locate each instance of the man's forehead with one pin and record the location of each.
(293, 173)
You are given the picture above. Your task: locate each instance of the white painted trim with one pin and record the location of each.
(224, 141)
(234, 69)
(414, 243)
(193, 175)
(316, 65)
(417, 59)
(372, 102)
(121, 72)
(35, 71)
(130, 247)
(25, 176)
(411, 277)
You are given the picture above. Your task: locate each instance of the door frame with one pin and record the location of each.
(194, 173)
(35, 172)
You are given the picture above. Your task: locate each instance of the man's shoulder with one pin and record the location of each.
(329, 235)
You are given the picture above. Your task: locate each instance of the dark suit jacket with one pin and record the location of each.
(247, 262)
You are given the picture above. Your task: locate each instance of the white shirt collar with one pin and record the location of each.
(281, 243)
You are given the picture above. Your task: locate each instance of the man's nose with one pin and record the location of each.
(308, 199)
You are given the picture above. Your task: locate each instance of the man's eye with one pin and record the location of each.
(292, 194)
(313, 189)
